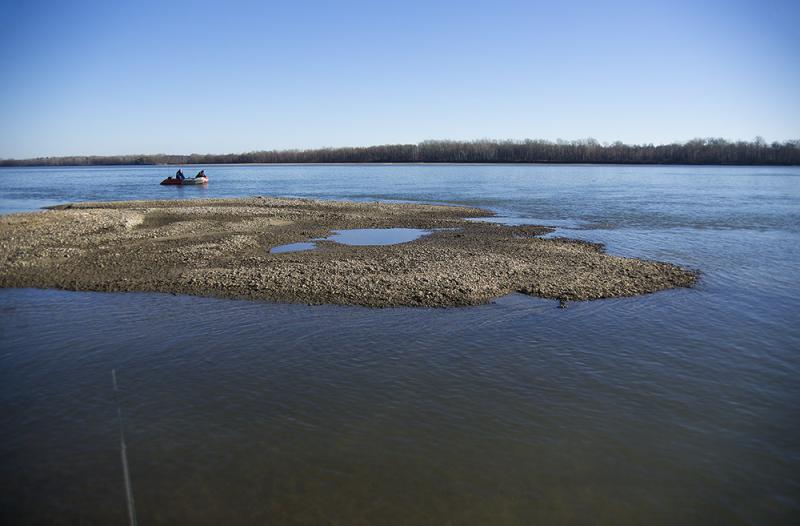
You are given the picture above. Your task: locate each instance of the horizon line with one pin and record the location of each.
(588, 141)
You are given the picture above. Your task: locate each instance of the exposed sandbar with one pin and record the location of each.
(221, 247)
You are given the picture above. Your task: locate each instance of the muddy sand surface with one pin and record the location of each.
(221, 247)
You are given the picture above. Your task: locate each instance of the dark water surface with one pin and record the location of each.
(681, 407)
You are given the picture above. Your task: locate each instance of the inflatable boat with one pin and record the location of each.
(184, 182)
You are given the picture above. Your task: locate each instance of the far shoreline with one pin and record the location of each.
(708, 151)
(537, 163)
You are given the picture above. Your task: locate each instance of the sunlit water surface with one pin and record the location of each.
(358, 237)
(681, 407)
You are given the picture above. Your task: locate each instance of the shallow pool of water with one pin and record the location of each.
(359, 237)
(377, 236)
(293, 247)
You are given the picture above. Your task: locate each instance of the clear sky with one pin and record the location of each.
(114, 77)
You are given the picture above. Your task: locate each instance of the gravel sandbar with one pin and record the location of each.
(221, 247)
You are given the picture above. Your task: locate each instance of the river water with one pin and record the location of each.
(681, 407)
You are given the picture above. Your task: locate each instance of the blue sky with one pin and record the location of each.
(180, 77)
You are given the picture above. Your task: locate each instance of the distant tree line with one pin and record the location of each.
(697, 151)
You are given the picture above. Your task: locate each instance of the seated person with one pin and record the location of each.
(201, 173)
(179, 175)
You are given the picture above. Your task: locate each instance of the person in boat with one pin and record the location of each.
(201, 173)
(179, 175)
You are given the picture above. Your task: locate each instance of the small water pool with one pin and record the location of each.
(359, 237)
(293, 247)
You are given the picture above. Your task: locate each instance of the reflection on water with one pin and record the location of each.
(293, 247)
(359, 237)
(377, 236)
(679, 407)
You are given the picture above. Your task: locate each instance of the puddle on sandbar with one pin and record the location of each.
(293, 247)
(359, 237)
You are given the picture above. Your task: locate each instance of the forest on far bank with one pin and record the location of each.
(697, 151)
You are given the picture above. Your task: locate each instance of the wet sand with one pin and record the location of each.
(221, 248)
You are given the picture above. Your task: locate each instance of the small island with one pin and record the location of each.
(222, 248)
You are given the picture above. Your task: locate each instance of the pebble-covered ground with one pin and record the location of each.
(221, 247)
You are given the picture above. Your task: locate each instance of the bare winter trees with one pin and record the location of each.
(697, 151)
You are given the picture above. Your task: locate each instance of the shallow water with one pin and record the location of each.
(358, 237)
(377, 236)
(676, 407)
(293, 247)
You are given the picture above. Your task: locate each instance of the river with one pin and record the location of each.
(680, 407)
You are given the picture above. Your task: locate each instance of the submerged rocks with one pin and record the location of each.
(221, 247)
